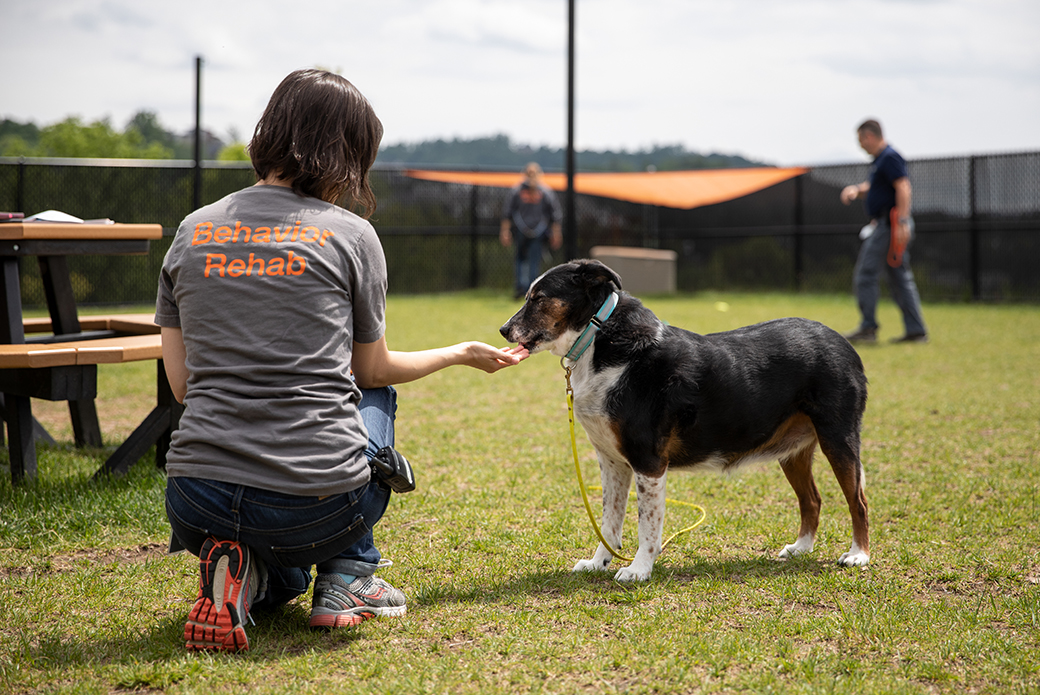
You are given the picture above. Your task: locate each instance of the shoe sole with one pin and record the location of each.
(214, 622)
(329, 618)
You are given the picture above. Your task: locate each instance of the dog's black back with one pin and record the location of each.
(697, 388)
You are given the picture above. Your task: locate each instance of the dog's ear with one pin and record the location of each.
(596, 273)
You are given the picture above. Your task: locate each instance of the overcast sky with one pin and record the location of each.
(784, 82)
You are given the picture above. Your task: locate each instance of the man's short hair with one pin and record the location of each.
(870, 126)
(321, 135)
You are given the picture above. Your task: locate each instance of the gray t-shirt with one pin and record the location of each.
(270, 290)
(532, 209)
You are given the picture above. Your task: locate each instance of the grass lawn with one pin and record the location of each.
(89, 601)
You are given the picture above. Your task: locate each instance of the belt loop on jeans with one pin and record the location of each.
(236, 503)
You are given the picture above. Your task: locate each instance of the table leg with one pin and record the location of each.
(156, 429)
(21, 443)
(61, 302)
(11, 330)
(17, 409)
(40, 432)
(85, 426)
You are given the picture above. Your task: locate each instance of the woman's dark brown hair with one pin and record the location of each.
(320, 134)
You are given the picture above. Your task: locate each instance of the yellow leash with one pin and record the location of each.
(585, 494)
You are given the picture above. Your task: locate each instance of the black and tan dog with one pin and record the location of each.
(652, 397)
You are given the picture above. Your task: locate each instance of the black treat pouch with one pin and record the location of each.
(393, 469)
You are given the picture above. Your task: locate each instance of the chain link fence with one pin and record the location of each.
(977, 219)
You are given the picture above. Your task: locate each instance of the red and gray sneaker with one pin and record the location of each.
(339, 604)
(227, 581)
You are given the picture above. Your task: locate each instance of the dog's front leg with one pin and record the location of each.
(650, 497)
(616, 478)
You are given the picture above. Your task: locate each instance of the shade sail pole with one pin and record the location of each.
(570, 224)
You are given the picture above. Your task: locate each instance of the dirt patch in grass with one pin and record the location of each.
(138, 553)
(72, 561)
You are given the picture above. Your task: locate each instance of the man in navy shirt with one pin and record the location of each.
(885, 239)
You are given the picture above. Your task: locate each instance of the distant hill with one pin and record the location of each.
(499, 152)
(144, 136)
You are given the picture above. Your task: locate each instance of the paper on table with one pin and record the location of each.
(53, 216)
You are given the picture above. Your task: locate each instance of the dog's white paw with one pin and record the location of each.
(632, 574)
(590, 566)
(800, 547)
(599, 562)
(854, 558)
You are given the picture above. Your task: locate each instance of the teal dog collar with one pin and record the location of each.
(589, 334)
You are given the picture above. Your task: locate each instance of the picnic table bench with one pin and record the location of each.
(54, 369)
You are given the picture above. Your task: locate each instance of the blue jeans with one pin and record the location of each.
(528, 260)
(867, 276)
(291, 533)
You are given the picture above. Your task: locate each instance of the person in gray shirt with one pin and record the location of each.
(272, 306)
(531, 217)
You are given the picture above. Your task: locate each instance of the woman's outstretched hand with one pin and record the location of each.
(490, 359)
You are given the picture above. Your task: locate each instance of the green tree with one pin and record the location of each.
(15, 146)
(147, 124)
(71, 138)
(235, 152)
(17, 139)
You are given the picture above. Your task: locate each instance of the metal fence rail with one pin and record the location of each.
(978, 227)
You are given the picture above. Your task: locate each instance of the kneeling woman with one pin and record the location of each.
(272, 307)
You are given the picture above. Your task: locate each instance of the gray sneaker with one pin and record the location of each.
(911, 338)
(338, 604)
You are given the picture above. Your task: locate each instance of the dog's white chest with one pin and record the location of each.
(591, 390)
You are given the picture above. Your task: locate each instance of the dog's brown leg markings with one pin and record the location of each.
(845, 462)
(798, 469)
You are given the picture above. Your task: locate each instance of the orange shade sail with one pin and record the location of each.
(672, 189)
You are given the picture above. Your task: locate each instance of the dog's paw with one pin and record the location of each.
(854, 558)
(589, 566)
(800, 547)
(599, 562)
(628, 574)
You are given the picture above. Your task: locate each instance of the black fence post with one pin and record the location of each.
(570, 219)
(799, 242)
(474, 240)
(21, 185)
(973, 217)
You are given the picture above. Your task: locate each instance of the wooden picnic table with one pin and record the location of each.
(62, 364)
